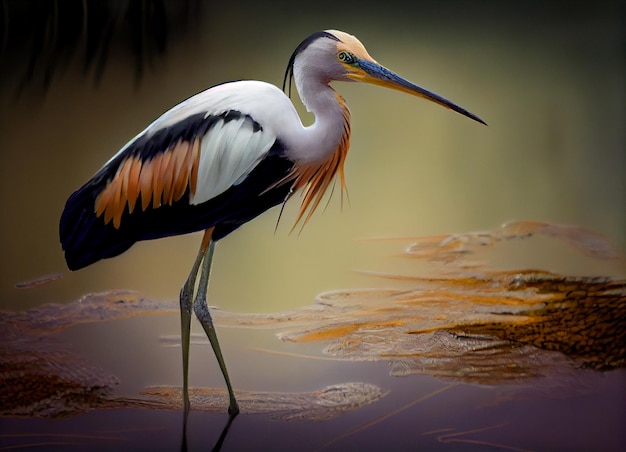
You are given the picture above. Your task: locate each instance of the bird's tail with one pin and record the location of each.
(85, 238)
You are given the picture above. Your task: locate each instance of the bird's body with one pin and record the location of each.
(221, 158)
(206, 162)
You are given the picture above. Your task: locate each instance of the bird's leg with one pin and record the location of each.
(186, 296)
(201, 309)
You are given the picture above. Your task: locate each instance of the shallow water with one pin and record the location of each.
(474, 357)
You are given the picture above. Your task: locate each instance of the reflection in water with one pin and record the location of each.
(475, 324)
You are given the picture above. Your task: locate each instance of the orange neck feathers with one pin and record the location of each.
(316, 177)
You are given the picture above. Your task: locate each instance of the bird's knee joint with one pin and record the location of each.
(185, 300)
(201, 310)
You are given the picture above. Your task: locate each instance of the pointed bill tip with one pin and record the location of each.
(373, 73)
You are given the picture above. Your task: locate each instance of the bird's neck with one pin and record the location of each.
(319, 141)
(322, 151)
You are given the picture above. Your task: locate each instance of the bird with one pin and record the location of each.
(219, 159)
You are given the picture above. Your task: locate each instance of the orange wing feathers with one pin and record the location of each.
(161, 180)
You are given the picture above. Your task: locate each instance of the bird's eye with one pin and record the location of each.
(346, 57)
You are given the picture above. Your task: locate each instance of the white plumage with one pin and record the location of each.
(228, 153)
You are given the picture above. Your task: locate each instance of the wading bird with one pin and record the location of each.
(219, 159)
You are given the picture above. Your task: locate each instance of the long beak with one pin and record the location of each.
(376, 74)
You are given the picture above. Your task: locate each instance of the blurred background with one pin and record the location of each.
(81, 78)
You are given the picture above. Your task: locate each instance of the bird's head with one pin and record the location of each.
(335, 55)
